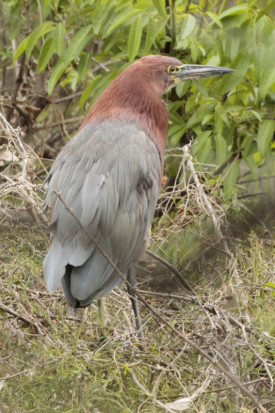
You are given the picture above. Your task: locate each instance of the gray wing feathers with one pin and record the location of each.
(110, 178)
(54, 265)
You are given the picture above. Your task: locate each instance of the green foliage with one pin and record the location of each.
(83, 45)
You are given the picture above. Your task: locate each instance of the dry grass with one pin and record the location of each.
(50, 361)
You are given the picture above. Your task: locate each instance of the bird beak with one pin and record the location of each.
(197, 71)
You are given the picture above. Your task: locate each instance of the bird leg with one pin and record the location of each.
(101, 313)
(131, 278)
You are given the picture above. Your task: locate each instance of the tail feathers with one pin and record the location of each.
(54, 265)
(66, 285)
(89, 277)
(92, 280)
(84, 282)
(108, 286)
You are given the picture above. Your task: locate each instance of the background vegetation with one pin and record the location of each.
(214, 221)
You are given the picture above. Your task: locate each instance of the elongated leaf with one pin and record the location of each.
(160, 6)
(77, 43)
(252, 165)
(125, 15)
(100, 15)
(202, 146)
(59, 36)
(154, 27)
(265, 68)
(233, 11)
(265, 135)
(40, 31)
(218, 119)
(230, 81)
(232, 43)
(188, 25)
(251, 37)
(71, 78)
(199, 114)
(221, 148)
(83, 66)
(87, 91)
(135, 38)
(271, 285)
(55, 76)
(46, 53)
(215, 18)
(231, 178)
(20, 49)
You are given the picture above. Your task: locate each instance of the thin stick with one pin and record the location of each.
(161, 319)
(172, 269)
(20, 317)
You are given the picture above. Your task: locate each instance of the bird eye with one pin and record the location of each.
(172, 69)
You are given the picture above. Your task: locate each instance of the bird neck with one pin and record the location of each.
(133, 102)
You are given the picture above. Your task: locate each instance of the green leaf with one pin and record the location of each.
(56, 74)
(59, 36)
(188, 25)
(42, 115)
(72, 78)
(125, 15)
(20, 49)
(77, 44)
(218, 119)
(265, 134)
(46, 53)
(199, 114)
(160, 6)
(232, 43)
(87, 91)
(215, 18)
(251, 37)
(202, 146)
(40, 31)
(83, 66)
(135, 38)
(240, 65)
(100, 15)
(252, 165)
(221, 148)
(233, 11)
(154, 27)
(231, 178)
(265, 68)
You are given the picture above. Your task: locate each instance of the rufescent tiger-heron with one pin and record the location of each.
(107, 178)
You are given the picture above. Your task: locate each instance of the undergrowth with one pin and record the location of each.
(51, 361)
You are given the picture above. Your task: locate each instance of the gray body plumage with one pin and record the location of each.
(109, 175)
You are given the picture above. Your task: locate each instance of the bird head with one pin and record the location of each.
(135, 95)
(164, 72)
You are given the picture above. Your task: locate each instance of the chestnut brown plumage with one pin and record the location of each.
(109, 174)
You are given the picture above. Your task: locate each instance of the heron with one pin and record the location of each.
(109, 175)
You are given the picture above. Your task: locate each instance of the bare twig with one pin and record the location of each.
(13, 132)
(20, 317)
(172, 269)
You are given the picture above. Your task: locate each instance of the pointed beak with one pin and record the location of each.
(197, 71)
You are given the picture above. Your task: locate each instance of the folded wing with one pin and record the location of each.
(109, 177)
